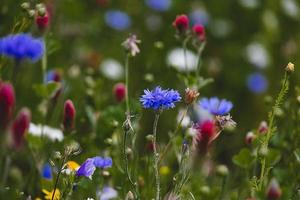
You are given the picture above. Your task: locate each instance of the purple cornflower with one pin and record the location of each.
(159, 98)
(102, 162)
(216, 106)
(159, 5)
(87, 168)
(22, 46)
(257, 83)
(117, 20)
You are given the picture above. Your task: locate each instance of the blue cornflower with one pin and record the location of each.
(216, 106)
(159, 98)
(22, 46)
(159, 5)
(87, 168)
(102, 162)
(47, 171)
(257, 83)
(117, 20)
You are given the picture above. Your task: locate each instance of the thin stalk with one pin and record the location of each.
(198, 63)
(166, 149)
(44, 64)
(126, 84)
(184, 46)
(278, 101)
(6, 168)
(222, 188)
(57, 178)
(156, 156)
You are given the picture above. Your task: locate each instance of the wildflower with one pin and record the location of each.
(263, 127)
(257, 83)
(130, 45)
(273, 190)
(20, 126)
(199, 31)
(107, 193)
(159, 5)
(190, 96)
(22, 46)
(159, 98)
(71, 167)
(175, 58)
(206, 133)
(119, 92)
(47, 171)
(53, 75)
(7, 103)
(87, 168)
(102, 162)
(42, 18)
(69, 115)
(290, 67)
(181, 23)
(117, 20)
(49, 132)
(48, 194)
(112, 69)
(216, 106)
(249, 137)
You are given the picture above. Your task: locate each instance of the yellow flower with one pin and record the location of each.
(72, 165)
(164, 170)
(48, 195)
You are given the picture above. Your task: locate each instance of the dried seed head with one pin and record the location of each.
(191, 95)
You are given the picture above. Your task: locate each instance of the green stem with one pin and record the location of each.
(6, 168)
(222, 188)
(126, 84)
(199, 54)
(44, 64)
(278, 101)
(57, 178)
(156, 156)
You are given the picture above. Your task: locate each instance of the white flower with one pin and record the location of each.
(130, 44)
(49, 132)
(257, 55)
(175, 58)
(111, 69)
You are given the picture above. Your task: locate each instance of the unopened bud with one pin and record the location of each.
(129, 196)
(57, 155)
(222, 170)
(290, 67)
(150, 138)
(25, 5)
(274, 190)
(31, 13)
(190, 95)
(205, 190)
(263, 127)
(263, 152)
(250, 137)
(41, 11)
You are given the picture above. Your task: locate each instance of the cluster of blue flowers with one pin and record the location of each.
(216, 106)
(88, 168)
(159, 98)
(22, 46)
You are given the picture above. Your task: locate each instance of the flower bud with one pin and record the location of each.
(222, 170)
(130, 196)
(250, 137)
(205, 190)
(199, 31)
(7, 103)
(20, 126)
(190, 96)
(69, 115)
(263, 152)
(42, 19)
(263, 127)
(181, 23)
(290, 67)
(119, 92)
(150, 137)
(25, 5)
(274, 190)
(31, 13)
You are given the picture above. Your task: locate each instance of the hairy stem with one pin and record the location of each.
(156, 156)
(58, 174)
(126, 84)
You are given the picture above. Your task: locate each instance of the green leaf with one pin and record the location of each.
(273, 157)
(243, 159)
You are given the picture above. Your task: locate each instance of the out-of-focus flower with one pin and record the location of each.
(87, 168)
(69, 115)
(112, 69)
(257, 55)
(290, 67)
(48, 194)
(154, 22)
(159, 5)
(22, 46)
(159, 98)
(42, 18)
(257, 83)
(47, 171)
(53, 75)
(263, 127)
(20, 126)
(199, 16)
(273, 190)
(7, 103)
(164, 170)
(190, 96)
(186, 119)
(251, 4)
(216, 106)
(107, 193)
(119, 92)
(129, 196)
(222, 170)
(181, 23)
(130, 45)
(175, 58)
(71, 167)
(225, 121)
(291, 8)
(199, 31)
(49, 132)
(250, 137)
(102, 162)
(117, 20)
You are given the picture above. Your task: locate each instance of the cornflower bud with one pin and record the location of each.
(274, 190)
(263, 127)
(20, 126)
(181, 23)
(119, 92)
(250, 137)
(7, 103)
(199, 31)
(42, 19)
(69, 115)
